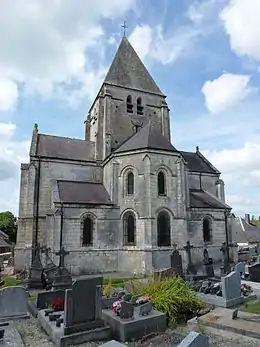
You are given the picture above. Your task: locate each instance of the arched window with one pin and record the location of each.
(130, 183)
(129, 104)
(129, 229)
(163, 229)
(87, 237)
(139, 106)
(161, 183)
(206, 230)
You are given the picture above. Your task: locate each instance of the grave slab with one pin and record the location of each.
(222, 302)
(221, 318)
(134, 328)
(61, 340)
(13, 304)
(195, 339)
(112, 343)
(12, 338)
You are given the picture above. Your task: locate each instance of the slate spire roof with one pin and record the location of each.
(147, 138)
(127, 70)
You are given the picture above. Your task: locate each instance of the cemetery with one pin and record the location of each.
(114, 312)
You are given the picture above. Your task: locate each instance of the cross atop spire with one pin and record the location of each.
(125, 27)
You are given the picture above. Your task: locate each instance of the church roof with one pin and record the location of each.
(202, 199)
(75, 192)
(127, 70)
(197, 163)
(147, 138)
(64, 148)
(242, 231)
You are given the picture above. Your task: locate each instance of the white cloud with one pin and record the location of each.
(8, 95)
(151, 43)
(241, 172)
(225, 91)
(44, 45)
(12, 153)
(241, 22)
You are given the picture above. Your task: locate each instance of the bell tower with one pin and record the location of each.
(127, 100)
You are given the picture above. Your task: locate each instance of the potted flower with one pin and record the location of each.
(58, 304)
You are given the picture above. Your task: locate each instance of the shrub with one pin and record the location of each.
(171, 296)
(107, 289)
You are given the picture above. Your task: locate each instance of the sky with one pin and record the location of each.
(204, 55)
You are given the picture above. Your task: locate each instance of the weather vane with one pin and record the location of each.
(125, 27)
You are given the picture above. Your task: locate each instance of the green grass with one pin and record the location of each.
(117, 282)
(253, 307)
(9, 282)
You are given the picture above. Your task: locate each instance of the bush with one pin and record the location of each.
(171, 296)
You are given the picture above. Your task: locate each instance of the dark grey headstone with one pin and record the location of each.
(126, 310)
(254, 272)
(13, 303)
(195, 340)
(176, 262)
(83, 305)
(44, 299)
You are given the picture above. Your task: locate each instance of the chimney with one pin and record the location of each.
(247, 218)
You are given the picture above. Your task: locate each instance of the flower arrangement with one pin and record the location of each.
(143, 300)
(246, 289)
(58, 304)
(116, 306)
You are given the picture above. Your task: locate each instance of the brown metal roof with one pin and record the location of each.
(64, 148)
(201, 199)
(147, 138)
(83, 193)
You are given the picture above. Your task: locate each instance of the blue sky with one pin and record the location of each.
(204, 55)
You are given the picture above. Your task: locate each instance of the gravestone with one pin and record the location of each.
(195, 339)
(231, 286)
(82, 309)
(35, 271)
(254, 272)
(62, 278)
(176, 262)
(190, 268)
(13, 303)
(126, 310)
(225, 268)
(44, 299)
(208, 264)
(240, 268)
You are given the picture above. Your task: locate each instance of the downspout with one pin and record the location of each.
(226, 230)
(200, 182)
(61, 230)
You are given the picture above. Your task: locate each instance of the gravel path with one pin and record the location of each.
(34, 336)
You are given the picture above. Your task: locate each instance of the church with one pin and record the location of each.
(124, 197)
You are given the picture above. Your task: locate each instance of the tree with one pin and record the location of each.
(8, 224)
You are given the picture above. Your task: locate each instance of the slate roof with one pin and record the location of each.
(147, 138)
(196, 163)
(75, 192)
(64, 148)
(201, 199)
(244, 232)
(127, 70)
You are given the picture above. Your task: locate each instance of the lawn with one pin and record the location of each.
(253, 307)
(9, 282)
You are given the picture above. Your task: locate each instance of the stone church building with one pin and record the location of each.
(124, 197)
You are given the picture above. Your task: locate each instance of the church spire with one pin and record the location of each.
(128, 71)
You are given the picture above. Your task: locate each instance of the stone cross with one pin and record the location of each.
(124, 26)
(225, 250)
(62, 253)
(188, 249)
